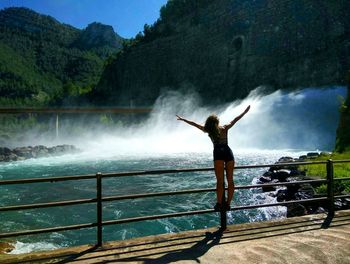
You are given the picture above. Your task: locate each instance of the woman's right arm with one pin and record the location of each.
(190, 123)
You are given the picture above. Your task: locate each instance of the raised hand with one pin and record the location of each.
(179, 118)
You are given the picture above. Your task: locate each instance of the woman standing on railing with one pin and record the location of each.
(223, 157)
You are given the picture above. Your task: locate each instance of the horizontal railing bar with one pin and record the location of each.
(279, 184)
(47, 230)
(155, 217)
(73, 110)
(282, 164)
(154, 172)
(341, 161)
(341, 179)
(151, 172)
(49, 179)
(342, 196)
(245, 207)
(45, 205)
(146, 195)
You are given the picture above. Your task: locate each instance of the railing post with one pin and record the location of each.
(330, 186)
(223, 216)
(99, 207)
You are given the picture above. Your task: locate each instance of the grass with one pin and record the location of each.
(341, 170)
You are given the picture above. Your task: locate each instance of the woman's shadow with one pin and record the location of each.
(191, 253)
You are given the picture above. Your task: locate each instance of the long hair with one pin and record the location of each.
(211, 126)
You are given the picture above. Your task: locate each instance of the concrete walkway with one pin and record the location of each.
(307, 239)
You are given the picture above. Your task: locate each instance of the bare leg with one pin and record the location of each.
(219, 173)
(229, 176)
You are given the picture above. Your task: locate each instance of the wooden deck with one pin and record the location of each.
(306, 239)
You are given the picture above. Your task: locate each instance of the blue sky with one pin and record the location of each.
(126, 16)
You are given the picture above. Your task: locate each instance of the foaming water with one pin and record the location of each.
(281, 120)
(305, 119)
(75, 164)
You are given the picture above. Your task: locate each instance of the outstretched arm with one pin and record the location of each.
(234, 121)
(190, 123)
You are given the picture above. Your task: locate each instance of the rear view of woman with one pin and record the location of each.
(223, 157)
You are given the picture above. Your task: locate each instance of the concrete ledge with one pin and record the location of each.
(306, 239)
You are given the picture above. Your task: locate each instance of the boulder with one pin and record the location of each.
(23, 152)
(296, 210)
(5, 151)
(302, 157)
(281, 175)
(11, 157)
(264, 179)
(312, 155)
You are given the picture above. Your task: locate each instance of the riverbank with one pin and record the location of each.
(293, 173)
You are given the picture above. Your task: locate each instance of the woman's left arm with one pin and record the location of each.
(234, 121)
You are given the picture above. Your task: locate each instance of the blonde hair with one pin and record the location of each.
(211, 126)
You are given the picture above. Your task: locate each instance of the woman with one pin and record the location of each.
(223, 157)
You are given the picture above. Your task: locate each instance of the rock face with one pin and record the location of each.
(22, 153)
(99, 35)
(230, 47)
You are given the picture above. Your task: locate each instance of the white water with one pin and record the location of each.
(305, 119)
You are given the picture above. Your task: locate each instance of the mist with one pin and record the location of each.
(298, 120)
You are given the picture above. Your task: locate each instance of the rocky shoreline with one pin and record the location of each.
(291, 173)
(23, 153)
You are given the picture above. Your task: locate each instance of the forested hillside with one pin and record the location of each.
(223, 49)
(43, 61)
(343, 132)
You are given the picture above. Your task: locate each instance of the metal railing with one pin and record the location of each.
(75, 110)
(99, 199)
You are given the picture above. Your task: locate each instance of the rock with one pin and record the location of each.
(11, 157)
(325, 154)
(285, 159)
(308, 190)
(6, 247)
(22, 153)
(296, 210)
(264, 179)
(5, 151)
(295, 172)
(338, 205)
(302, 157)
(281, 175)
(312, 155)
(268, 173)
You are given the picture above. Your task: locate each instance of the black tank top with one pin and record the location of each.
(222, 140)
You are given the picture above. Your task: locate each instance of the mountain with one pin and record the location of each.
(223, 49)
(100, 38)
(43, 61)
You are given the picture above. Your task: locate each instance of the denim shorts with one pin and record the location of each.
(223, 152)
